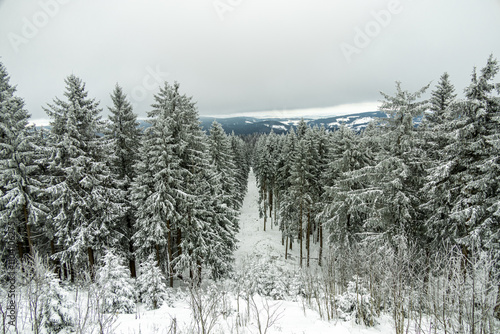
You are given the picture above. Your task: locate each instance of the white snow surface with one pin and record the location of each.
(281, 127)
(253, 240)
(363, 120)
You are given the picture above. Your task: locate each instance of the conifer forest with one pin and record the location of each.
(112, 227)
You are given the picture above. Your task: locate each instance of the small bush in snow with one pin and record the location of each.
(116, 285)
(264, 276)
(356, 303)
(47, 302)
(151, 284)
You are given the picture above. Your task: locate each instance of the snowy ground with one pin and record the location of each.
(252, 240)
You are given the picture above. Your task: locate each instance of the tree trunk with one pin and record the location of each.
(20, 246)
(265, 205)
(71, 272)
(157, 249)
(169, 251)
(20, 249)
(320, 255)
(308, 238)
(497, 307)
(28, 230)
(65, 270)
(275, 208)
(271, 207)
(286, 248)
(57, 262)
(191, 274)
(300, 234)
(178, 242)
(90, 253)
(348, 228)
(131, 261)
(198, 267)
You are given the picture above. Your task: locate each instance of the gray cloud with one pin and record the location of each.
(241, 56)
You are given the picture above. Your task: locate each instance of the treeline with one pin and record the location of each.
(420, 194)
(89, 186)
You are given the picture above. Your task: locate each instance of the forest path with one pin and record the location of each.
(252, 239)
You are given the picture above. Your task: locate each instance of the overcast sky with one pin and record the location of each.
(245, 56)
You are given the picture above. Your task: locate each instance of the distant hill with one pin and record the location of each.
(249, 125)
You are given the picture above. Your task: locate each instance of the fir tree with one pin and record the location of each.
(464, 185)
(20, 188)
(301, 181)
(344, 212)
(208, 227)
(158, 183)
(239, 152)
(397, 176)
(123, 137)
(443, 96)
(115, 285)
(223, 161)
(83, 208)
(150, 283)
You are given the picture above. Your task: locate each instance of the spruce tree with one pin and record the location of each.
(84, 210)
(222, 159)
(183, 213)
(301, 180)
(123, 136)
(150, 283)
(442, 96)
(465, 185)
(157, 187)
(344, 213)
(397, 176)
(115, 285)
(208, 227)
(21, 207)
(239, 152)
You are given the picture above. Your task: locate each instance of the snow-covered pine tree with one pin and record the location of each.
(180, 213)
(441, 98)
(344, 213)
(261, 171)
(123, 136)
(437, 129)
(435, 123)
(464, 186)
(21, 207)
(48, 304)
(239, 151)
(83, 209)
(266, 174)
(397, 177)
(58, 306)
(311, 140)
(208, 225)
(323, 152)
(222, 159)
(158, 183)
(301, 180)
(217, 224)
(150, 283)
(288, 210)
(115, 285)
